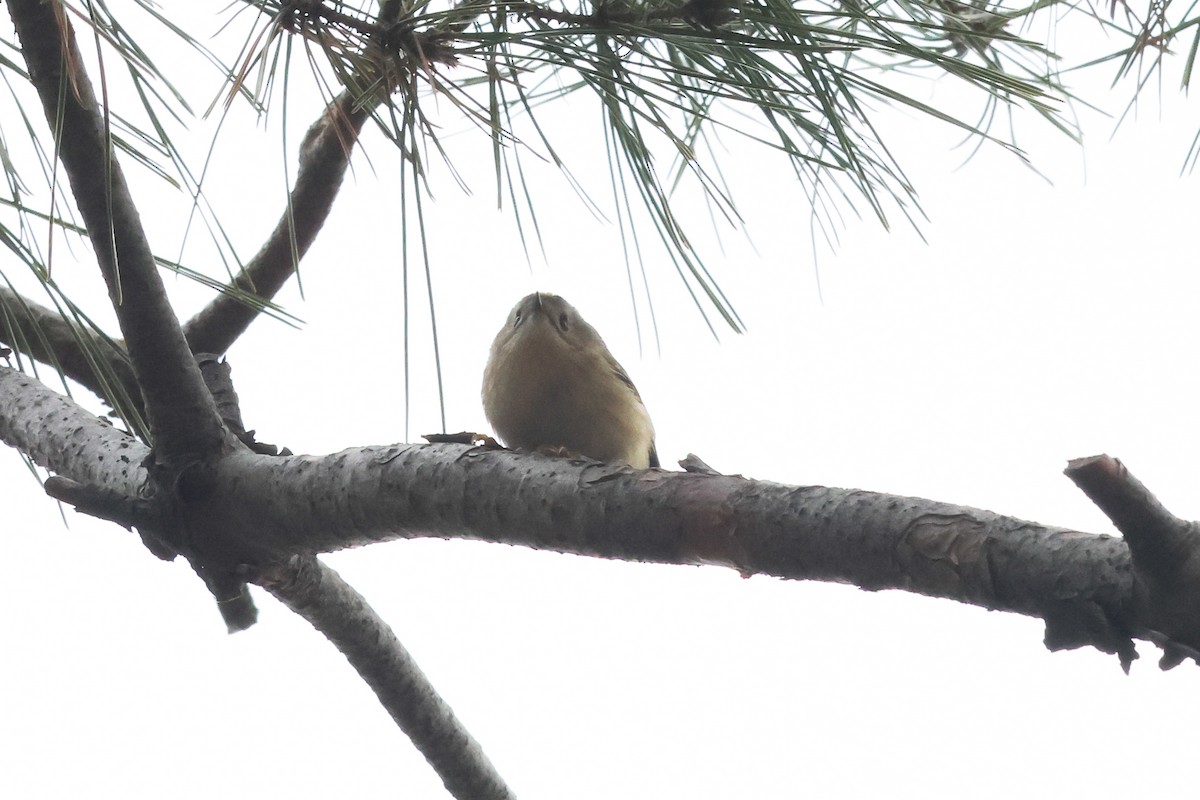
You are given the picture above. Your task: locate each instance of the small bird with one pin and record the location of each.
(550, 382)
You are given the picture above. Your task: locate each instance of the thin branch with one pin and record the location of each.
(116, 506)
(182, 417)
(317, 593)
(1155, 535)
(324, 156)
(43, 334)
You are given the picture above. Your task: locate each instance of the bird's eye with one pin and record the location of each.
(563, 321)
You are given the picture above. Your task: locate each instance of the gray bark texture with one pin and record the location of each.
(257, 510)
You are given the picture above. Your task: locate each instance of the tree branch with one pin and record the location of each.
(181, 414)
(57, 434)
(43, 334)
(101, 471)
(324, 156)
(1080, 584)
(317, 593)
(105, 477)
(259, 510)
(1165, 551)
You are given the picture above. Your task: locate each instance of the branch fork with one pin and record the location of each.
(1165, 551)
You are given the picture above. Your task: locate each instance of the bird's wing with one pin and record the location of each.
(622, 376)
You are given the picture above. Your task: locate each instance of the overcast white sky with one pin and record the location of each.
(1043, 320)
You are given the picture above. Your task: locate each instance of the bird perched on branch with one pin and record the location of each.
(550, 383)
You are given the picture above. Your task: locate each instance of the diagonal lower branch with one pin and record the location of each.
(324, 156)
(317, 593)
(181, 414)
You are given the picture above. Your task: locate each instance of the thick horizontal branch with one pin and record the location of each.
(67, 440)
(259, 510)
(1080, 584)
